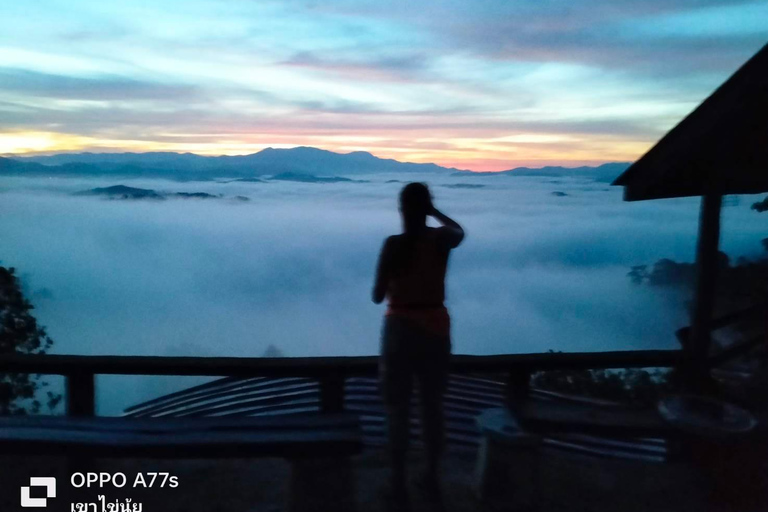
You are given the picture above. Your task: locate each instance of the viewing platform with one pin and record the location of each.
(576, 470)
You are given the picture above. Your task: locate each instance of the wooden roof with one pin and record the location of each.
(721, 147)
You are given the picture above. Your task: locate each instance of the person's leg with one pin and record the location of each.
(398, 430)
(433, 379)
(396, 381)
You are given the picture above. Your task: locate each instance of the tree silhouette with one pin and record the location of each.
(762, 206)
(740, 285)
(20, 334)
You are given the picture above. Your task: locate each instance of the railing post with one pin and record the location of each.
(332, 392)
(518, 387)
(81, 394)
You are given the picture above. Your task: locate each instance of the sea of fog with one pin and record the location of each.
(293, 267)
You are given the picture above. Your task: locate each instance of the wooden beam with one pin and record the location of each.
(707, 256)
(293, 435)
(316, 367)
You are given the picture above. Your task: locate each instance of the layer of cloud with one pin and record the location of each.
(293, 267)
(91, 89)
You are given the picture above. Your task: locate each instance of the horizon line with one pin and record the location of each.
(568, 165)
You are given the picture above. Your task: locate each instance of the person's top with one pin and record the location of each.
(415, 267)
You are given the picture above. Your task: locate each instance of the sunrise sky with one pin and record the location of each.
(483, 85)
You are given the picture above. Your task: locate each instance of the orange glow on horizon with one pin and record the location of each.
(491, 154)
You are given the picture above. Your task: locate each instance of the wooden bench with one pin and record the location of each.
(518, 433)
(585, 418)
(507, 454)
(317, 445)
(725, 451)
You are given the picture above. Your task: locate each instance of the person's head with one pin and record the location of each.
(415, 205)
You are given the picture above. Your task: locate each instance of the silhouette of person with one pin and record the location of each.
(415, 340)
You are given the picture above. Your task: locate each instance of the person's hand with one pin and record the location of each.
(452, 225)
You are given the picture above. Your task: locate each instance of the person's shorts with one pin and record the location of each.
(408, 353)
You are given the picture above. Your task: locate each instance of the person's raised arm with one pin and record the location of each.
(382, 274)
(455, 233)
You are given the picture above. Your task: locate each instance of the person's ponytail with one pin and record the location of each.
(415, 204)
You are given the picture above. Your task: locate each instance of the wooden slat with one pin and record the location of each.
(214, 386)
(227, 388)
(260, 405)
(234, 401)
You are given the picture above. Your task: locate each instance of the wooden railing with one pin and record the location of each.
(752, 312)
(741, 347)
(331, 372)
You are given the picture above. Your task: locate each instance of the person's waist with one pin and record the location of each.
(405, 308)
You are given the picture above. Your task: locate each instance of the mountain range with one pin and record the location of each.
(294, 162)
(605, 173)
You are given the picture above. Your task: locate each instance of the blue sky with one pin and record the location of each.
(485, 85)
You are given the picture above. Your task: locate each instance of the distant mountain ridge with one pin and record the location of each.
(602, 173)
(268, 162)
(306, 161)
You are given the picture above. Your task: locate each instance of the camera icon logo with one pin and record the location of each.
(48, 482)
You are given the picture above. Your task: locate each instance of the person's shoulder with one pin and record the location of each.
(392, 241)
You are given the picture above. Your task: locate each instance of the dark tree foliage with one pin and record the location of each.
(761, 206)
(740, 285)
(666, 272)
(20, 333)
(631, 386)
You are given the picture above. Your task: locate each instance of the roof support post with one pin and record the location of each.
(707, 256)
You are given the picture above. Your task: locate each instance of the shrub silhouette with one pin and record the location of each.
(21, 334)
